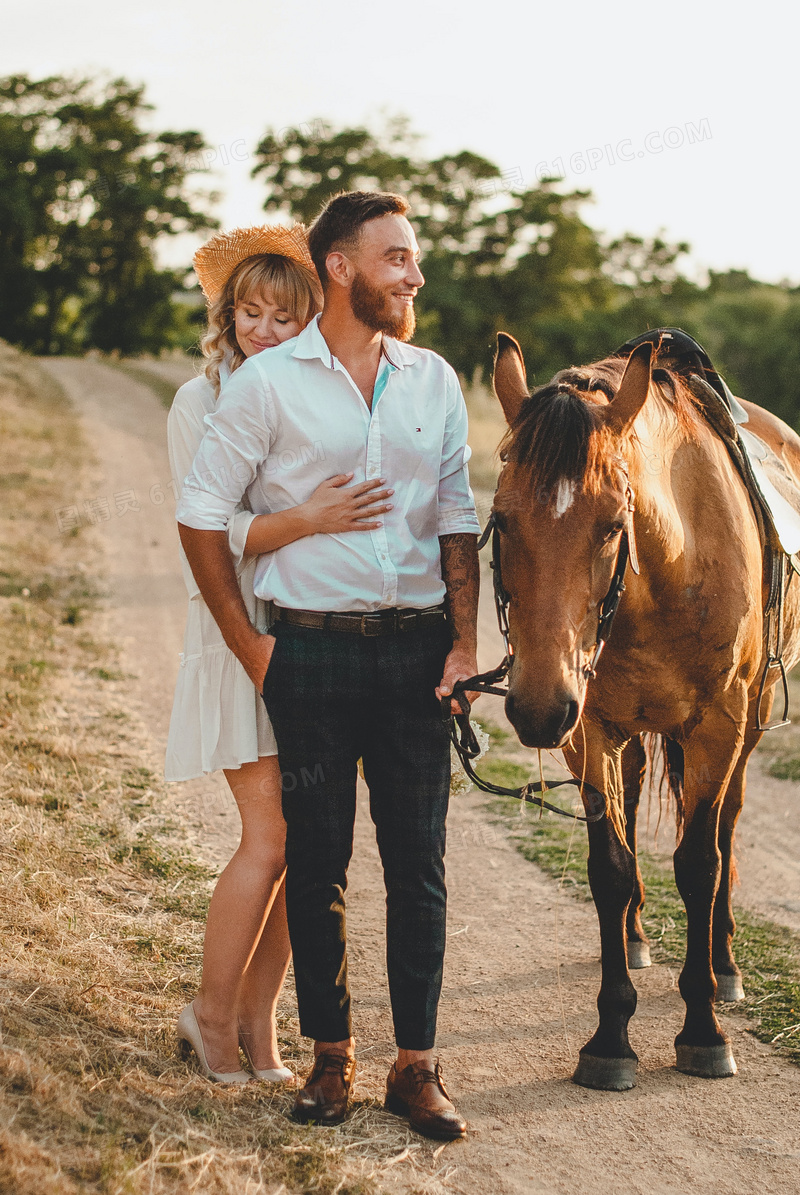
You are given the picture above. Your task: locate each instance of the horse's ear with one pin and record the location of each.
(508, 377)
(633, 389)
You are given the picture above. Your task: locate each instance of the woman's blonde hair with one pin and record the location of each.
(295, 289)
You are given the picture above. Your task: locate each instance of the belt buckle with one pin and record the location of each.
(365, 624)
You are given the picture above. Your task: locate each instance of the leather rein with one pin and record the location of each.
(461, 732)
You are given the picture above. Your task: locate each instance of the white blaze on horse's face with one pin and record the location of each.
(565, 496)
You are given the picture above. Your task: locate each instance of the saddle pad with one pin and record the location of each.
(779, 493)
(772, 489)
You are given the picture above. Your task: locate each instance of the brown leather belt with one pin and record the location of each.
(378, 622)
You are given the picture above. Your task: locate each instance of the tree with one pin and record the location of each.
(753, 330)
(85, 191)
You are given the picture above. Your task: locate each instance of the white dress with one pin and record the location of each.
(218, 717)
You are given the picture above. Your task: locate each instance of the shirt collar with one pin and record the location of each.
(312, 345)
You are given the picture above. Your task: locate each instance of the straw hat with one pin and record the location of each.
(215, 261)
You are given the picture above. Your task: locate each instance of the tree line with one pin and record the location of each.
(86, 191)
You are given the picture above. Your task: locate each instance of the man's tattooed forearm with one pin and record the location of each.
(461, 575)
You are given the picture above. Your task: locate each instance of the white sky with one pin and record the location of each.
(521, 84)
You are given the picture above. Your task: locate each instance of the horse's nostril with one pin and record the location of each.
(570, 718)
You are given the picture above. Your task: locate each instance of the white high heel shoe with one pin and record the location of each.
(190, 1038)
(281, 1074)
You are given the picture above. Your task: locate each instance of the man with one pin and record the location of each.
(369, 629)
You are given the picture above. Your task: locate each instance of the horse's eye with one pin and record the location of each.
(613, 532)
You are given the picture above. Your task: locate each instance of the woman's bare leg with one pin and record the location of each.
(261, 987)
(240, 910)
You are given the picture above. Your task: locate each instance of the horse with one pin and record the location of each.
(609, 457)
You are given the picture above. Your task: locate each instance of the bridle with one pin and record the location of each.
(461, 732)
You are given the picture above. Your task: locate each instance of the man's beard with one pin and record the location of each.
(370, 305)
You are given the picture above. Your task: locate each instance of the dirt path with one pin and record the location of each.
(522, 968)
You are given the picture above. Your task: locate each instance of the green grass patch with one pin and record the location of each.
(785, 767)
(155, 857)
(163, 389)
(107, 673)
(138, 778)
(768, 954)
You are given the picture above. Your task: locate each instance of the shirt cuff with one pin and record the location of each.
(461, 521)
(200, 511)
(238, 527)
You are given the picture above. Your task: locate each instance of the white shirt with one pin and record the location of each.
(289, 418)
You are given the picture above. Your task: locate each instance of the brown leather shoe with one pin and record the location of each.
(326, 1093)
(419, 1093)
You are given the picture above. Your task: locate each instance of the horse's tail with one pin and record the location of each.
(670, 773)
(673, 777)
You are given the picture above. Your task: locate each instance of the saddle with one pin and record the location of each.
(773, 492)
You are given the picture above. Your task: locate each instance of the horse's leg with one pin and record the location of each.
(634, 762)
(711, 753)
(726, 972)
(607, 1060)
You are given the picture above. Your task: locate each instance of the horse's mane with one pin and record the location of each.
(561, 435)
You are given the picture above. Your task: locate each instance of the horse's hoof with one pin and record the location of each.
(729, 988)
(638, 955)
(606, 1074)
(709, 1062)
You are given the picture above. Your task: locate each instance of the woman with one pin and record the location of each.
(262, 290)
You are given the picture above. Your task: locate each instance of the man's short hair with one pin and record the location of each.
(339, 224)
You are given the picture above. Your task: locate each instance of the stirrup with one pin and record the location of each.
(785, 720)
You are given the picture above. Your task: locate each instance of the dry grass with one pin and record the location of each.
(102, 905)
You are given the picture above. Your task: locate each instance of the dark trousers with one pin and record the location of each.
(333, 698)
